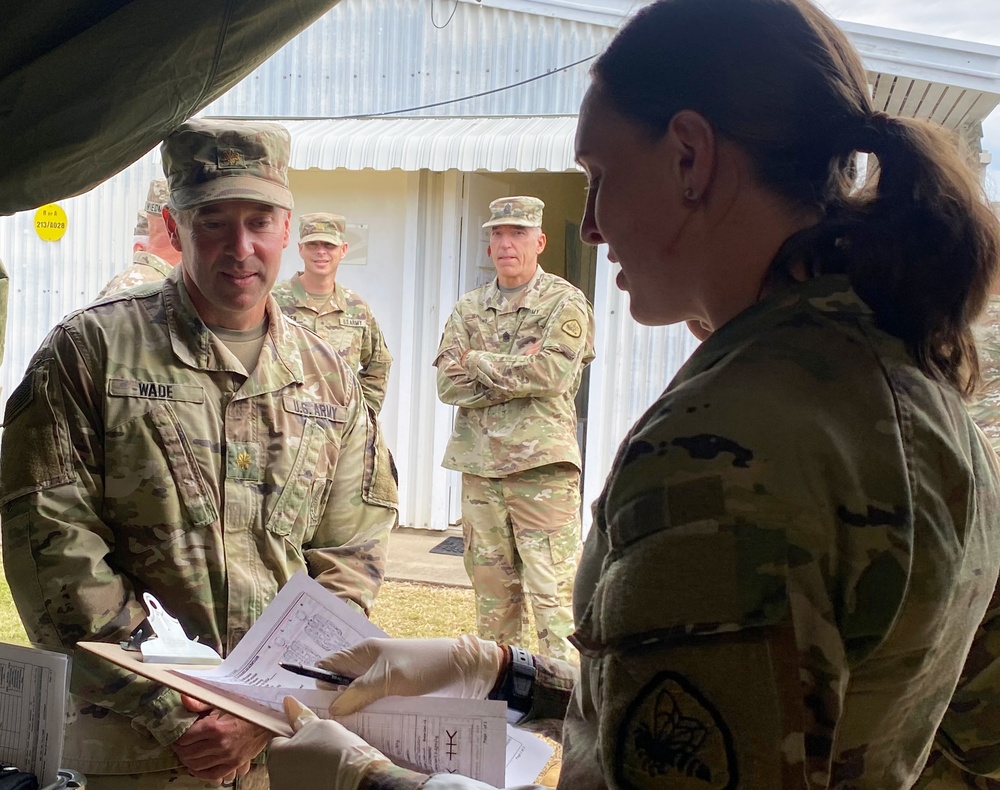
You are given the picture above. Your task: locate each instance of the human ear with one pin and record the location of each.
(171, 225)
(692, 141)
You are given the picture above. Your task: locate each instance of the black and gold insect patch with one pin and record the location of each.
(572, 328)
(673, 737)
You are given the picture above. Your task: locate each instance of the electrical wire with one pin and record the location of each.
(490, 92)
(450, 17)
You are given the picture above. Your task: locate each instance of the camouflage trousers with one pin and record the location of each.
(522, 539)
(175, 779)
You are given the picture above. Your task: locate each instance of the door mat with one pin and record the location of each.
(453, 545)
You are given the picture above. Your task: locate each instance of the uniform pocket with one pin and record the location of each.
(292, 511)
(564, 542)
(43, 429)
(153, 483)
(669, 586)
(689, 633)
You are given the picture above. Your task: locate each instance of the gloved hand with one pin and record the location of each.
(466, 667)
(322, 755)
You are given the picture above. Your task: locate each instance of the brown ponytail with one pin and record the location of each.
(921, 244)
(778, 78)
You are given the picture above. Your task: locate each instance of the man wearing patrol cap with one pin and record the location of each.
(140, 234)
(511, 358)
(337, 314)
(187, 439)
(158, 257)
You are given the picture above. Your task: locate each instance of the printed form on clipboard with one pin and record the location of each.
(306, 622)
(33, 688)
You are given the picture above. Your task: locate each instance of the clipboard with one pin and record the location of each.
(270, 720)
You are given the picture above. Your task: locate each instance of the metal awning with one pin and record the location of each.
(519, 144)
(953, 83)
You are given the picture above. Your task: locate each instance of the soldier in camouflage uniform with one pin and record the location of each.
(511, 358)
(985, 409)
(799, 539)
(140, 234)
(185, 438)
(967, 749)
(335, 313)
(159, 256)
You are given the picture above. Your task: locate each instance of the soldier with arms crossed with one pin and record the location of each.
(511, 358)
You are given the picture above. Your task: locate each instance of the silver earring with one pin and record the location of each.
(689, 195)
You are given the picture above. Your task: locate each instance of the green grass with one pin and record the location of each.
(402, 609)
(11, 629)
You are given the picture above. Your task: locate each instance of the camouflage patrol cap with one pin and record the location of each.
(141, 225)
(522, 210)
(321, 226)
(156, 197)
(208, 161)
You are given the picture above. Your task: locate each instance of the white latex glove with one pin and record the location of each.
(322, 755)
(466, 667)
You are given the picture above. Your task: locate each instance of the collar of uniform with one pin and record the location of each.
(830, 293)
(493, 297)
(153, 261)
(336, 299)
(196, 345)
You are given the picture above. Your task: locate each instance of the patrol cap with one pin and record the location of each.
(208, 161)
(522, 210)
(156, 197)
(141, 225)
(321, 226)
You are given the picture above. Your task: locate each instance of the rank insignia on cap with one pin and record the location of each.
(508, 209)
(673, 737)
(230, 158)
(572, 328)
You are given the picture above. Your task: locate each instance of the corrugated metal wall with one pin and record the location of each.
(376, 56)
(50, 279)
(634, 364)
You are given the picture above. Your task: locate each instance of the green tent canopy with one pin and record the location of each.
(89, 86)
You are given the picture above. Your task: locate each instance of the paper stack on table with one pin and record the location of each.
(33, 687)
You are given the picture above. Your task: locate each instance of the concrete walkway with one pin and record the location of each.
(410, 558)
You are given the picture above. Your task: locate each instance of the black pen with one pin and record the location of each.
(318, 674)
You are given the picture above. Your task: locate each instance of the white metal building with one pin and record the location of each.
(473, 100)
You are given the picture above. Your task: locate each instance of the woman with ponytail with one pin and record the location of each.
(799, 540)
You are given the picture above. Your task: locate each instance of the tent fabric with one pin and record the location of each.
(89, 86)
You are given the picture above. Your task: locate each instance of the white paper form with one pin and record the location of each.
(32, 709)
(306, 622)
(527, 755)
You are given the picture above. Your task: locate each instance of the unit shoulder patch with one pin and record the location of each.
(673, 737)
(572, 328)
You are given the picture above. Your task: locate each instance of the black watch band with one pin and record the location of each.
(518, 686)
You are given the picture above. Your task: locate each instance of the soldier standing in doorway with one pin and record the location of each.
(511, 358)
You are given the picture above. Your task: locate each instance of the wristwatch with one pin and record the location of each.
(517, 688)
